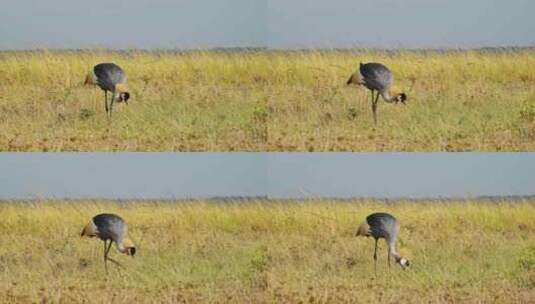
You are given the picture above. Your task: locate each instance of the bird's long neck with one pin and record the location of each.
(396, 256)
(121, 248)
(392, 248)
(123, 245)
(394, 252)
(386, 96)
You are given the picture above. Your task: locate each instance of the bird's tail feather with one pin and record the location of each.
(350, 80)
(364, 230)
(90, 230)
(355, 79)
(90, 79)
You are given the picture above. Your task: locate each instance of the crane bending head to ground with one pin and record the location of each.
(377, 78)
(386, 226)
(112, 228)
(109, 77)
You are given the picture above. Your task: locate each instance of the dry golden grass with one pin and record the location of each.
(194, 102)
(269, 101)
(259, 252)
(458, 101)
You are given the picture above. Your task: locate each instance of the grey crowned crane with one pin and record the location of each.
(109, 77)
(378, 79)
(110, 228)
(383, 226)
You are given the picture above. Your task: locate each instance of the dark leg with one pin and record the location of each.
(373, 98)
(106, 100)
(110, 259)
(374, 108)
(111, 103)
(105, 257)
(108, 251)
(389, 257)
(375, 257)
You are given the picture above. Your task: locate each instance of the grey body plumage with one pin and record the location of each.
(108, 75)
(111, 78)
(377, 78)
(110, 228)
(383, 226)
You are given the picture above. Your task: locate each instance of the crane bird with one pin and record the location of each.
(377, 77)
(386, 226)
(112, 228)
(109, 77)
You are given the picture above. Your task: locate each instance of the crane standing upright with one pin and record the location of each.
(112, 228)
(110, 77)
(377, 77)
(386, 226)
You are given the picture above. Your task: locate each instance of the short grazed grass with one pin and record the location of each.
(475, 252)
(269, 101)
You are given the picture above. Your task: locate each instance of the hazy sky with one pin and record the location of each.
(273, 23)
(391, 175)
(129, 175)
(131, 23)
(407, 23)
(278, 175)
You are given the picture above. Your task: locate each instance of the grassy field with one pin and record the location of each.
(195, 102)
(260, 252)
(268, 101)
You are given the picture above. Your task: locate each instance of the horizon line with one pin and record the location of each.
(267, 198)
(276, 49)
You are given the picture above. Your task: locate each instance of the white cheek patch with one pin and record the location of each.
(403, 262)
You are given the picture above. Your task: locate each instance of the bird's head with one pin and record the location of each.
(403, 262)
(398, 95)
(131, 251)
(128, 247)
(402, 97)
(124, 96)
(121, 93)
